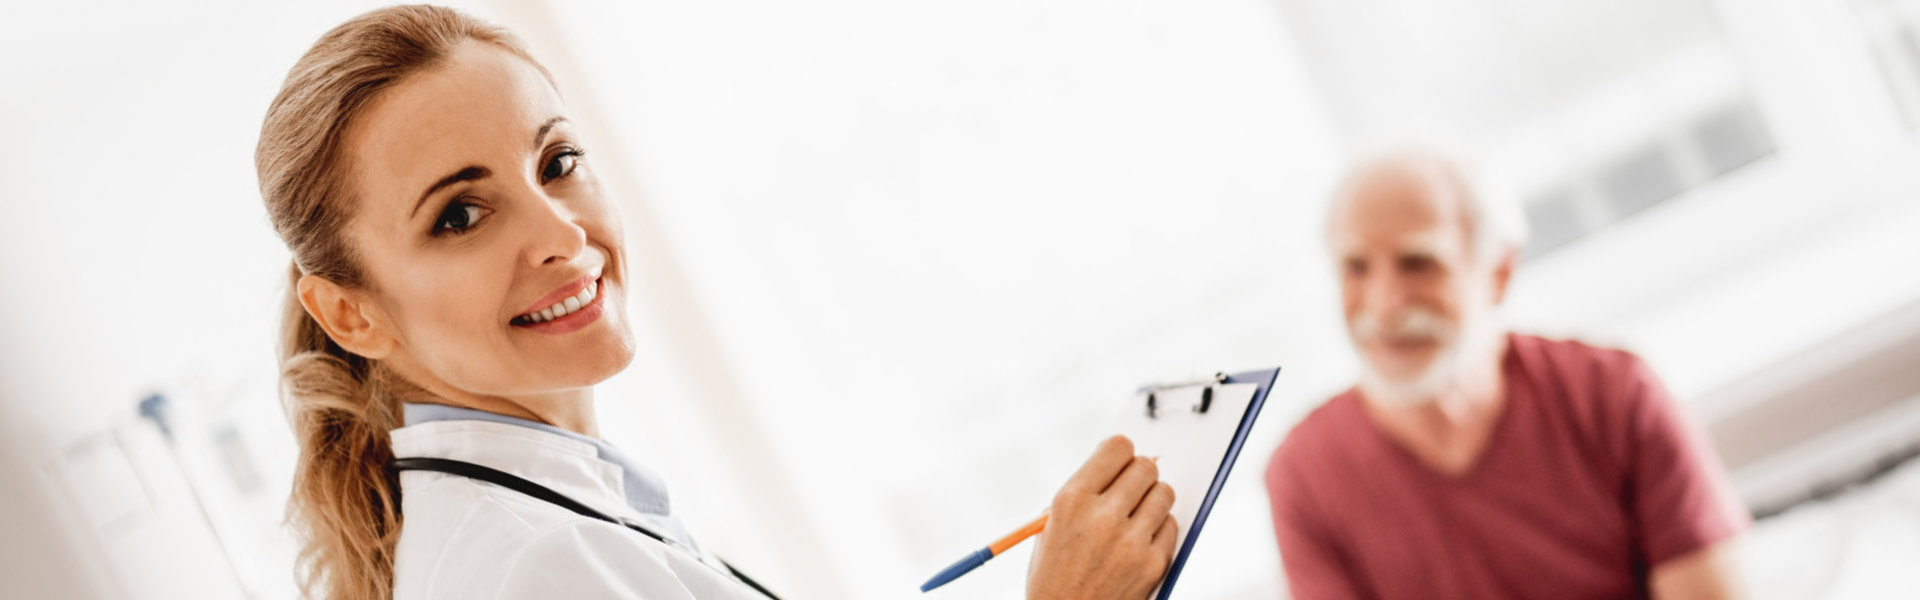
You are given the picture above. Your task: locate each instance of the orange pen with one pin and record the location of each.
(979, 557)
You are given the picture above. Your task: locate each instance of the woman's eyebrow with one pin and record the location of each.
(472, 173)
(467, 174)
(541, 136)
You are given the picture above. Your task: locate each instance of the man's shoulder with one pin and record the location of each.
(1568, 348)
(1565, 357)
(1600, 387)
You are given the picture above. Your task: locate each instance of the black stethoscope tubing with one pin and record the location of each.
(516, 483)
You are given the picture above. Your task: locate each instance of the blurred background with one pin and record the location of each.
(898, 260)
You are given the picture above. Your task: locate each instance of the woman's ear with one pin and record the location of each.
(346, 317)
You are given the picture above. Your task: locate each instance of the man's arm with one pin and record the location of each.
(1687, 513)
(1709, 573)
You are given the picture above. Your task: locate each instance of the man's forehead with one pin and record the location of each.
(1430, 241)
(1403, 192)
(1396, 206)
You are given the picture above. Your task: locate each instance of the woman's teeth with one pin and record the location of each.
(563, 307)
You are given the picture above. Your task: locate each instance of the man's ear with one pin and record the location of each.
(346, 317)
(1503, 273)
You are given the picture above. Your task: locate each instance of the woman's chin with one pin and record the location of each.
(592, 363)
(580, 359)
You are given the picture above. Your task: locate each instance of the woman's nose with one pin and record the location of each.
(557, 234)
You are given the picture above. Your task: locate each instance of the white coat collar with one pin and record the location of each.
(644, 490)
(572, 467)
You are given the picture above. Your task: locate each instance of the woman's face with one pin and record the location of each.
(478, 225)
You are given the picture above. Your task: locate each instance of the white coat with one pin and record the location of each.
(463, 538)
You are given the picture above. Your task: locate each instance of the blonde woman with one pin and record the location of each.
(458, 287)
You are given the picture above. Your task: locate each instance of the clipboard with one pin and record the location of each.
(1197, 428)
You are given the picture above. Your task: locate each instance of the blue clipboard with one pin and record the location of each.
(1265, 379)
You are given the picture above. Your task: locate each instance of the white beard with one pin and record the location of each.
(1474, 338)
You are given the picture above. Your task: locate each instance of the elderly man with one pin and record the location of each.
(1473, 463)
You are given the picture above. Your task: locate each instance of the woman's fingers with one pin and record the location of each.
(1094, 475)
(1167, 538)
(1159, 500)
(1110, 534)
(1132, 484)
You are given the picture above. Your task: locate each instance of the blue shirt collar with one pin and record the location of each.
(645, 491)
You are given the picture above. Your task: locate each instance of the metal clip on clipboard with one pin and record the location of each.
(1206, 394)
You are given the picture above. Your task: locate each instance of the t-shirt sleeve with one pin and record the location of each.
(1680, 498)
(1311, 560)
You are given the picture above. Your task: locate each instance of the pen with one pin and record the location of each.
(980, 556)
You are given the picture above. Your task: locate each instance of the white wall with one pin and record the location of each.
(135, 257)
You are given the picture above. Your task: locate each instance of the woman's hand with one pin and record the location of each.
(1110, 534)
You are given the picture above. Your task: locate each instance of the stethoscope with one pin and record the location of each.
(515, 483)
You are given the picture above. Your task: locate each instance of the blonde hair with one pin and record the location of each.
(345, 503)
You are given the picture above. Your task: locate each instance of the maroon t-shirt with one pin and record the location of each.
(1590, 477)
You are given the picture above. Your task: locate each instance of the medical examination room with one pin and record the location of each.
(884, 299)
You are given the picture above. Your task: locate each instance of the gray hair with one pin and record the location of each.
(1494, 221)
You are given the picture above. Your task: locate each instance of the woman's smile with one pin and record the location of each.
(565, 310)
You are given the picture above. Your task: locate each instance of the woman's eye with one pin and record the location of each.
(458, 218)
(561, 165)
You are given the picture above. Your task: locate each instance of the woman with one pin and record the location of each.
(458, 288)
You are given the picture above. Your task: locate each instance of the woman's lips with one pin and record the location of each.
(558, 295)
(573, 321)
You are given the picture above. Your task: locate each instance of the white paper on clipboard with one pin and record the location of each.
(1190, 444)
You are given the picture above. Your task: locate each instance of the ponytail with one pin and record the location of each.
(345, 501)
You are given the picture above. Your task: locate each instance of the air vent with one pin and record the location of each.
(1697, 151)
